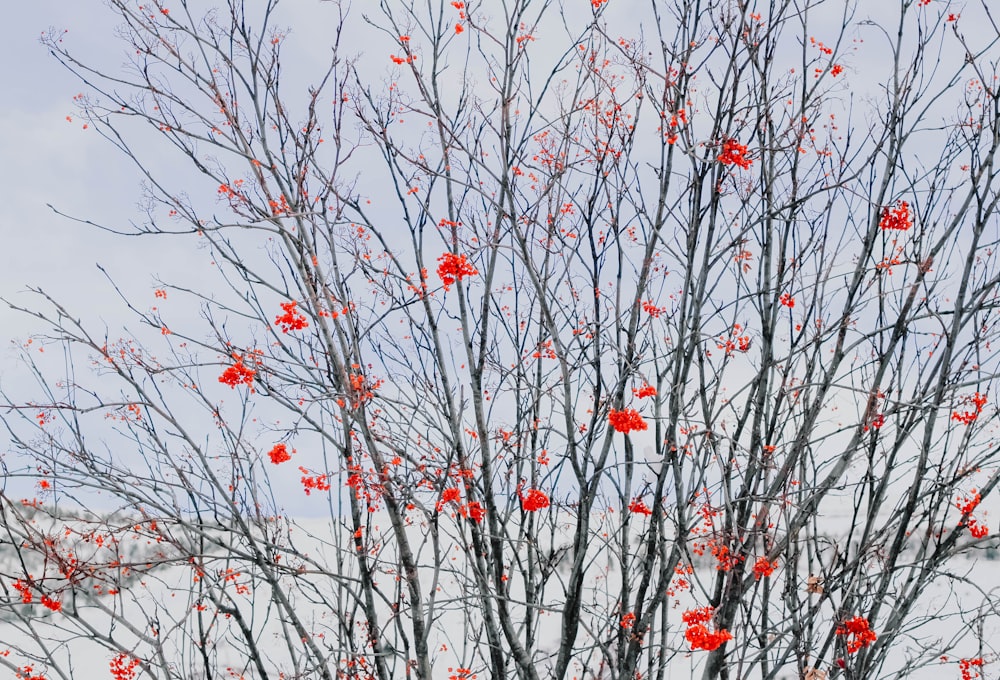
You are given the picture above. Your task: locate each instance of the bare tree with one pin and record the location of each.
(611, 340)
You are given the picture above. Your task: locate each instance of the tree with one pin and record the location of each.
(611, 340)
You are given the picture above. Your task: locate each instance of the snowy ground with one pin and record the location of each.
(170, 594)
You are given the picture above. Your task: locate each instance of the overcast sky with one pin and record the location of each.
(52, 160)
(49, 160)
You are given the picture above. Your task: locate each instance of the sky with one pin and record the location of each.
(55, 161)
(51, 160)
(55, 164)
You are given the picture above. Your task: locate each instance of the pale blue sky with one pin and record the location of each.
(50, 160)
